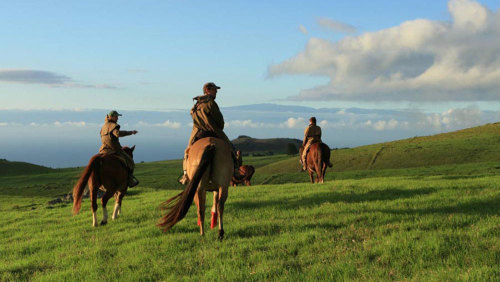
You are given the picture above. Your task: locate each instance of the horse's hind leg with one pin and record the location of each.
(213, 219)
(104, 202)
(199, 199)
(223, 193)
(118, 204)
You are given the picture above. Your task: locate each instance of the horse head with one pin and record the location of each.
(129, 151)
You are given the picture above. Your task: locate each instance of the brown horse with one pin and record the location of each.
(318, 159)
(247, 171)
(108, 173)
(210, 168)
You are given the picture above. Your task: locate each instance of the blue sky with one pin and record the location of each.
(384, 70)
(157, 54)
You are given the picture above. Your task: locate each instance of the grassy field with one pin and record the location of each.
(439, 222)
(416, 227)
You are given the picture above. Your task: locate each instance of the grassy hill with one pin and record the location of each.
(21, 168)
(249, 145)
(478, 144)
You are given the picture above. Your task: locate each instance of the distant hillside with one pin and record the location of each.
(477, 144)
(21, 168)
(249, 145)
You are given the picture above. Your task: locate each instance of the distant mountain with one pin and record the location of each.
(8, 168)
(249, 145)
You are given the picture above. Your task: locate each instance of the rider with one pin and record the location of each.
(239, 158)
(110, 132)
(207, 122)
(312, 134)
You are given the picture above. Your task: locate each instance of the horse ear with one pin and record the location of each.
(133, 147)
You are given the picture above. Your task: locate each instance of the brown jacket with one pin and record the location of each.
(312, 134)
(207, 117)
(110, 132)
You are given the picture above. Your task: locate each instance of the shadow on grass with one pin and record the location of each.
(333, 197)
(480, 207)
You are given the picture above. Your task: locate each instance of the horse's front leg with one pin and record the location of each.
(223, 193)
(311, 176)
(199, 199)
(93, 186)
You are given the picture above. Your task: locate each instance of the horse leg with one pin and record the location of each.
(223, 193)
(104, 202)
(323, 172)
(118, 204)
(311, 176)
(200, 203)
(213, 219)
(93, 187)
(318, 168)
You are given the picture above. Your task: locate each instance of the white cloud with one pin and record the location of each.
(67, 123)
(303, 29)
(4, 123)
(418, 60)
(336, 25)
(294, 123)
(167, 123)
(246, 123)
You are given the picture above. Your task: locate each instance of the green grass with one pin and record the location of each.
(377, 229)
(374, 219)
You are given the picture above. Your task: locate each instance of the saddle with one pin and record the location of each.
(116, 155)
(309, 148)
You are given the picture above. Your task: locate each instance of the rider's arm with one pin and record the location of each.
(125, 133)
(215, 114)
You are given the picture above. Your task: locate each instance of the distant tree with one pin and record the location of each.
(291, 149)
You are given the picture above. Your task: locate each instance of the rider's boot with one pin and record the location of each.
(303, 163)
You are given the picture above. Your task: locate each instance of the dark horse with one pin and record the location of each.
(318, 159)
(247, 171)
(108, 173)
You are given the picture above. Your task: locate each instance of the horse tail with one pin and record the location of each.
(93, 166)
(319, 161)
(326, 155)
(179, 205)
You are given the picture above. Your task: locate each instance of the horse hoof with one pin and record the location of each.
(104, 223)
(221, 235)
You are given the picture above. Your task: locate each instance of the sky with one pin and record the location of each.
(417, 67)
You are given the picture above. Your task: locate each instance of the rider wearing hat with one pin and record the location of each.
(207, 122)
(312, 134)
(110, 132)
